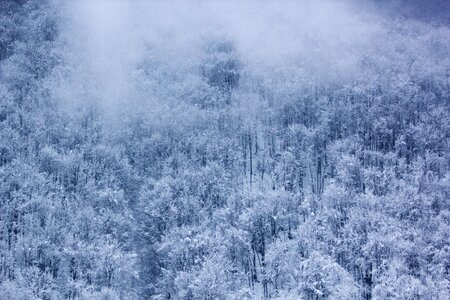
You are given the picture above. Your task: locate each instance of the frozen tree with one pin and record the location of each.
(224, 150)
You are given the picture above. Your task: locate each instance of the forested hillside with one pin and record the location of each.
(224, 150)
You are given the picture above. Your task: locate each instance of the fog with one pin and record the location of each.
(123, 54)
(108, 42)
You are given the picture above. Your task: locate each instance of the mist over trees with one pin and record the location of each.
(224, 149)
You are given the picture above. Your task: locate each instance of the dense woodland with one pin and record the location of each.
(208, 171)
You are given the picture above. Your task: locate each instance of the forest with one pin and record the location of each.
(201, 149)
